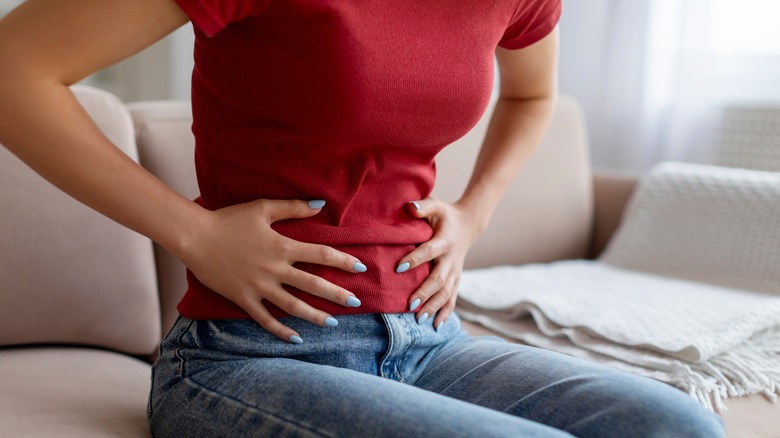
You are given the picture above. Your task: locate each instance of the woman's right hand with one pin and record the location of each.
(236, 253)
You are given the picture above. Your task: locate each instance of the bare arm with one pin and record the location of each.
(46, 45)
(525, 102)
(526, 98)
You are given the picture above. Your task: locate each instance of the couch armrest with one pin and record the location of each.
(612, 189)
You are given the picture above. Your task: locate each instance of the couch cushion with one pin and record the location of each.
(703, 223)
(546, 213)
(166, 148)
(67, 273)
(72, 392)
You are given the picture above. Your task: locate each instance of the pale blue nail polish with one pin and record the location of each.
(296, 339)
(403, 267)
(316, 203)
(423, 318)
(415, 304)
(438, 326)
(359, 267)
(331, 321)
(353, 302)
(416, 205)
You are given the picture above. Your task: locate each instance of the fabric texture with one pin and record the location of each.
(556, 181)
(388, 376)
(347, 102)
(693, 300)
(703, 223)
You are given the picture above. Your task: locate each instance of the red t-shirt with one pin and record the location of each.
(347, 101)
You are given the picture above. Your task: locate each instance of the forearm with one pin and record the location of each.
(45, 127)
(515, 129)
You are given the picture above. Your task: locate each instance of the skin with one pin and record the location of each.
(47, 45)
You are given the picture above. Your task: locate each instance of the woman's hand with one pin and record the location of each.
(454, 231)
(237, 254)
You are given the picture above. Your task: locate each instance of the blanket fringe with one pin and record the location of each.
(751, 368)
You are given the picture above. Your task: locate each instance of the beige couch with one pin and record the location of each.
(84, 302)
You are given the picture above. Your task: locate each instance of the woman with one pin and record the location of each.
(322, 278)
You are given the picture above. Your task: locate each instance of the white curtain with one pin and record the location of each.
(654, 75)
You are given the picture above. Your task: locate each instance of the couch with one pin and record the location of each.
(85, 302)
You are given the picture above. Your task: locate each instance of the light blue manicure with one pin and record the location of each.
(438, 326)
(359, 267)
(353, 302)
(331, 321)
(416, 205)
(403, 267)
(317, 203)
(296, 339)
(415, 304)
(423, 318)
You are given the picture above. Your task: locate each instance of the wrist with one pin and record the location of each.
(182, 239)
(475, 215)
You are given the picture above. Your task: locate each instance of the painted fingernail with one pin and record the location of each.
(317, 203)
(359, 267)
(331, 321)
(353, 302)
(438, 326)
(416, 205)
(415, 304)
(403, 267)
(423, 318)
(296, 339)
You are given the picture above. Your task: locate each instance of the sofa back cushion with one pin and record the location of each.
(67, 273)
(166, 148)
(546, 213)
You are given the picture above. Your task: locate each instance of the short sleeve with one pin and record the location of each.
(212, 16)
(532, 21)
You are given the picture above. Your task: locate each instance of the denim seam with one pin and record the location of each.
(390, 345)
(413, 336)
(214, 392)
(177, 351)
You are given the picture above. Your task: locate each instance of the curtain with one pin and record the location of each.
(654, 76)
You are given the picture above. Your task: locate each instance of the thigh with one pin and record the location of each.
(279, 397)
(577, 396)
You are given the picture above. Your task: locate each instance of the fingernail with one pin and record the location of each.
(438, 326)
(296, 339)
(416, 205)
(415, 304)
(403, 267)
(317, 203)
(331, 321)
(423, 318)
(359, 267)
(353, 302)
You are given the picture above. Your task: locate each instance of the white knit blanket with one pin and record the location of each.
(688, 291)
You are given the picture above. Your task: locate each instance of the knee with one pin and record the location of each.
(668, 413)
(631, 406)
(677, 420)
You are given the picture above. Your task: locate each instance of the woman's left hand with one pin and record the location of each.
(454, 231)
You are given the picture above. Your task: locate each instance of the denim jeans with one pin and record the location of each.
(382, 375)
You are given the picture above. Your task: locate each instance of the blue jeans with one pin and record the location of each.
(384, 375)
